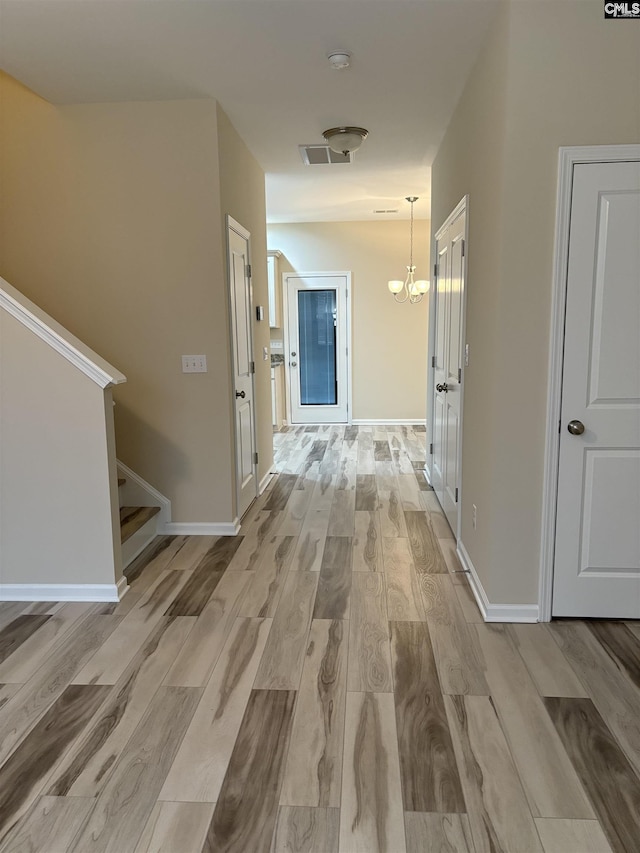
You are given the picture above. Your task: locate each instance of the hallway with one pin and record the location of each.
(322, 682)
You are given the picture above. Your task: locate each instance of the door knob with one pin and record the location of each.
(294, 364)
(575, 427)
(293, 354)
(240, 394)
(444, 387)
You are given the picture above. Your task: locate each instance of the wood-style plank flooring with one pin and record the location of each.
(321, 683)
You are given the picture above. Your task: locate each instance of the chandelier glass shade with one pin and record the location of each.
(409, 289)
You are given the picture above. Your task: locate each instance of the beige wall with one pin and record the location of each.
(389, 341)
(242, 196)
(110, 220)
(551, 74)
(57, 521)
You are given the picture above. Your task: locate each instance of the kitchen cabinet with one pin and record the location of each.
(278, 399)
(275, 289)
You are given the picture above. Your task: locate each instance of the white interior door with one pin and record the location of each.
(243, 365)
(597, 553)
(447, 365)
(318, 347)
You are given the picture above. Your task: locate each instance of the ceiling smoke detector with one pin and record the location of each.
(339, 59)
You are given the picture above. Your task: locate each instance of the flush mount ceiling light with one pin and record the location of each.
(339, 59)
(410, 289)
(343, 140)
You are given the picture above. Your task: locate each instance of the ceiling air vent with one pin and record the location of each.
(322, 155)
(389, 210)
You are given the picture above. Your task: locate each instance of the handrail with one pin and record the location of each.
(62, 341)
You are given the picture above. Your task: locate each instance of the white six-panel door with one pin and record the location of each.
(242, 349)
(447, 365)
(597, 549)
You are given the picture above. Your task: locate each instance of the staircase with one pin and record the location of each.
(58, 535)
(138, 523)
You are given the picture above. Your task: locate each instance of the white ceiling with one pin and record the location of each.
(265, 62)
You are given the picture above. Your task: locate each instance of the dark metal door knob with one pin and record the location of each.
(575, 427)
(240, 394)
(444, 387)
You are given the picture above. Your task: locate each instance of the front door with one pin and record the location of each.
(243, 365)
(597, 552)
(447, 365)
(317, 339)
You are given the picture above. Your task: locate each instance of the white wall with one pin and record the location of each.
(550, 74)
(242, 195)
(110, 220)
(389, 341)
(58, 505)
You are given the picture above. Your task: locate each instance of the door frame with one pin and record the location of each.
(234, 225)
(287, 348)
(461, 207)
(568, 157)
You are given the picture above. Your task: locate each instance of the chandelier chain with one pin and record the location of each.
(411, 238)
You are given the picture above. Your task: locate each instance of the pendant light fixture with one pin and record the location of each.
(344, 140)
(409, 289)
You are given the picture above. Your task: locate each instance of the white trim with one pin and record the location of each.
(200, 528)
(461, 206)
(58, 338)
(348, 335)
(64, 591)
(264, 482)
(494, 612)
(409, 421)
(122, 587)
(234, 225)
(567, 159)
(137, 492)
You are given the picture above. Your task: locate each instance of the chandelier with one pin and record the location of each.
(409, 289)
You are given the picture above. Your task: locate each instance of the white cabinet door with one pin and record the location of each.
(274, 401)
(597, 554)
(274, 289)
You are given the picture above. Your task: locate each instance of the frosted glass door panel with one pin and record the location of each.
(317, 345)
(317, 340)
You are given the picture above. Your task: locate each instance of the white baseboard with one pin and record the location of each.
(200, 528)
(137, 492)
(122, 587)
(63, 592)
(409, 421)
(264, 482)
(494, 612)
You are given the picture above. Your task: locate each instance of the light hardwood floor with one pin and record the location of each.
(322, 683)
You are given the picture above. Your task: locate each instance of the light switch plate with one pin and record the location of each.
(194, 364)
